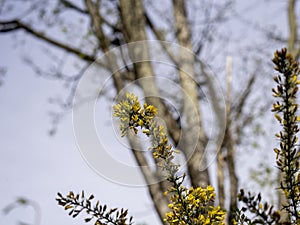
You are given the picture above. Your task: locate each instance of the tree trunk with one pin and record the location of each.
(134, 29)
(232, 175)
(221, 178)
(192, 119)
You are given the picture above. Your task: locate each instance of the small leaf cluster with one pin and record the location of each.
(76, 204)
(188, 206)
(194, 206)
(288, 154)
(262, 213)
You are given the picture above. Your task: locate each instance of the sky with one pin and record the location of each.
(36, 166)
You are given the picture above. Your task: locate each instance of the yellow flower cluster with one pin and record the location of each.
(132, 115)
(194, 206)
(160, 146)
(189, 206)
(286, 109)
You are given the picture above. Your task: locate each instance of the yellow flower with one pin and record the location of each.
(140, 122)
(136, 107)
(146, 131)
(135, 118)
(278, 118)
(186, 204)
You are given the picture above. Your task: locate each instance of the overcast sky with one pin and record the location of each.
(36, 166)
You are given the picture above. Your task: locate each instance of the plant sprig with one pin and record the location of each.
(76, 204)
(286, 109)
(188, 205)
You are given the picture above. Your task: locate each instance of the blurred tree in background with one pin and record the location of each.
(77, 32)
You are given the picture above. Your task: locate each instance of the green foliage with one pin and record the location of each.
(188, 206)
(287, 154)
(194, 206)
(98, 213)
(262, 213)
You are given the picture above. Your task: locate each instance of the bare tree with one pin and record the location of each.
(106, 24)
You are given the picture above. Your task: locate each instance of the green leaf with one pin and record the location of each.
(68, 207)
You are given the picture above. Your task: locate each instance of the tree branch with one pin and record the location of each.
(229, 143)
(238, 108)
(191, 113)
(292, 26)
(134, 29)
(93, 10)
(293, 30)
(158, 34)
(154, 188)
(6, 26)
(71, 5)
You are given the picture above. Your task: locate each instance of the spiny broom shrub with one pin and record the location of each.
(194, 206)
